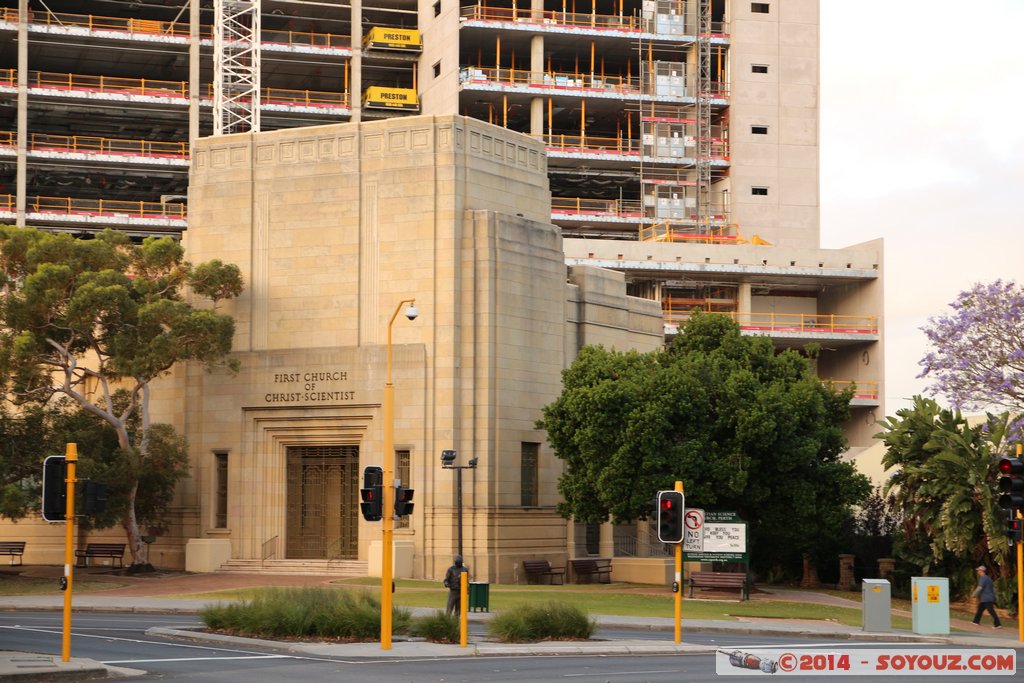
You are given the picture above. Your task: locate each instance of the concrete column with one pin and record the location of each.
(643, 539)
(606, 545)
(193, 73)
(22, 162)
(537, 76)
(743, 303)
(355, 77)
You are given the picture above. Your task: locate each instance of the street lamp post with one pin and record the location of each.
(447, 462)
(388, 501)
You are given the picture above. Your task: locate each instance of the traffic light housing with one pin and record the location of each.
(94, 498)
(403, 501)
(670, 516)
(1013, 530)
(55, 489)
(372, 494)
(1011, 483)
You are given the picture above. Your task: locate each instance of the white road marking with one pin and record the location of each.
(193, 659)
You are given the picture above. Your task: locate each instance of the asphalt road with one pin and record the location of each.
(121, 640)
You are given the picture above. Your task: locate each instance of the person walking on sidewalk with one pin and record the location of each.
(453, 582)
(986, 594)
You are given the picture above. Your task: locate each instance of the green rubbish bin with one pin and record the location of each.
(479, 597)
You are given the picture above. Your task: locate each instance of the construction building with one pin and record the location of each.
(681, 135)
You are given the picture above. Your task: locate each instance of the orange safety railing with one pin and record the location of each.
(301, 98)
(102, 84)
(86, 144)
(808, 322)
(178, 29)
(608, 22)
(550, 80)
(590, 144)
(789, 322)
(704, 234)
(93, 23)
(581, 206)
(175, 89)
(7, 203)
(306, 39)
(97, 207)
(865, 389)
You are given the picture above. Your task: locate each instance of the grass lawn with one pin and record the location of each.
(29, 585)
(609, 599)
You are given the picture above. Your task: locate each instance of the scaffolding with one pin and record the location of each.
(236, 59)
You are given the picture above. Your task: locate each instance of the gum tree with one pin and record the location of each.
(86, 319)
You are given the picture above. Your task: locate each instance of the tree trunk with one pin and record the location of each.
(138, 549)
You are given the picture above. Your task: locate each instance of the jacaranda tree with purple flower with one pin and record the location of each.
(976, 358)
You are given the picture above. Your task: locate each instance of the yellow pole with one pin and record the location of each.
(679, 580)
(70, 459)
(463, 608)
(388, 501)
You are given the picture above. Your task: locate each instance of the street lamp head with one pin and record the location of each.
(447, 458)
(412, 312)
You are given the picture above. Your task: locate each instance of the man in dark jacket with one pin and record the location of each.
(453, 582)
(986, 594)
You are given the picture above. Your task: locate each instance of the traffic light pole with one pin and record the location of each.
(71, 458)
(679, 582)
(1020, 583)
(1020, 573)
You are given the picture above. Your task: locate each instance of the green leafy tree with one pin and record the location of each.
(944, 481)
(744, 427)
(84, 318)
(24, 441)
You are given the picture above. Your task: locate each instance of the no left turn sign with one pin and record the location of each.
(694, 519)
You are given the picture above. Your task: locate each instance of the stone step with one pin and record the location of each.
(348, 568)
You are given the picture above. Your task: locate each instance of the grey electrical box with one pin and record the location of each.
(876, 604)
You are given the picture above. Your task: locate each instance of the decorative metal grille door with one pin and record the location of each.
(323, 502)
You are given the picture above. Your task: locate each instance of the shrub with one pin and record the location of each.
(304, 613)
(551, 621)
(437, 627)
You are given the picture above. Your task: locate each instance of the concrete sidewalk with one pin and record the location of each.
(149, 594)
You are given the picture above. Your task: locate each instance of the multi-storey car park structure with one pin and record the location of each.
(682, 134)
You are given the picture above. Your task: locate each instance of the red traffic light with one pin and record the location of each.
(1011, 483)
(1011, 466)
(670, 516)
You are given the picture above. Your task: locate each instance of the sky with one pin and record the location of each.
(922, 144)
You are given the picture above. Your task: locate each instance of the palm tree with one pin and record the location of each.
(945, 484)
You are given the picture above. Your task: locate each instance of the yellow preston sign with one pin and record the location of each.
(391, 98)
(393, 39)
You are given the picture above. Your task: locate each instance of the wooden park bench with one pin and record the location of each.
(589, 568)
(14, 549)
(535, 569)
(115, 551)
(719, 580)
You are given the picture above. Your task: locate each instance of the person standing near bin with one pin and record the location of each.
(986, 594)
(453, 582)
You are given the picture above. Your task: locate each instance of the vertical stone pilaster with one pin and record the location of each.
(846, 576)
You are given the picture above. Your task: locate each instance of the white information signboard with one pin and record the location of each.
(725, 537)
